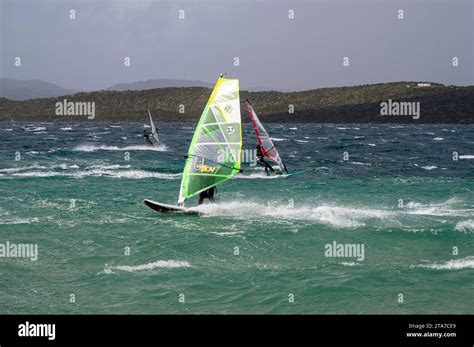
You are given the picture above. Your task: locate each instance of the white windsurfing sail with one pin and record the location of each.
(153, 129)
(214, 155)
(266, 144)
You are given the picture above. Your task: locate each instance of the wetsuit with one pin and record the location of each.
(207, 194)
(262, 162)
(146, 136)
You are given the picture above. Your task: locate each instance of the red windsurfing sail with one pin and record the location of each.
(266, 144)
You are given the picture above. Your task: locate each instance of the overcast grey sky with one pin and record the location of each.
(274, 51)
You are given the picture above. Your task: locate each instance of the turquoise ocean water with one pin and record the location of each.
(261, 247)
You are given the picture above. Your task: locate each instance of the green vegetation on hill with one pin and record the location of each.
(358, 104)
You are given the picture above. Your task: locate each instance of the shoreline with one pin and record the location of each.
(360, 104)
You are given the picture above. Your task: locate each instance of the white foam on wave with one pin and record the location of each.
(74, 171)
(350, 263)
(34, 129)
(446, 208)
(359, 163)
(278, 139)
(340, 216)
(166, 264)
(109, 167)
(66, 129)
(438, 139)
(337, 216)
(455, 264)
(130, 174)
(139, 174)
(93, 148)
(226, 233)
(466, 226)
(427, 167)
(466, 156)
(260, 175)
(39, 167)
(18, 220)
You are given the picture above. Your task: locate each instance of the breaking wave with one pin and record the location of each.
(466, 226)
(93, 148)
(446, 208)
(260, 175)
(455, 264)
(415, 216)
(132, 174)
(39, 167)
(74, 171)
(167, 264)
(337, 216)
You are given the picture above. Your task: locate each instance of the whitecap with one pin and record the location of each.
(359, 163)
(166, 264)
(336, 216)
(350, 263)
(92, 148)
(466, 226)
(455, 264)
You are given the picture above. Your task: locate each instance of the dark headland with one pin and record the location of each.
(358, 104)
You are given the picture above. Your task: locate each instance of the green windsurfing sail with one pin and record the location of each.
(215, 150)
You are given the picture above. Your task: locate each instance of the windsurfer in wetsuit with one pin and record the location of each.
(261, 161)
(146, 135)
(207, 194)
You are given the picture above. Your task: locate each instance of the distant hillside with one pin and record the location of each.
(30, 89)
(158, 83)
(359, 104)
